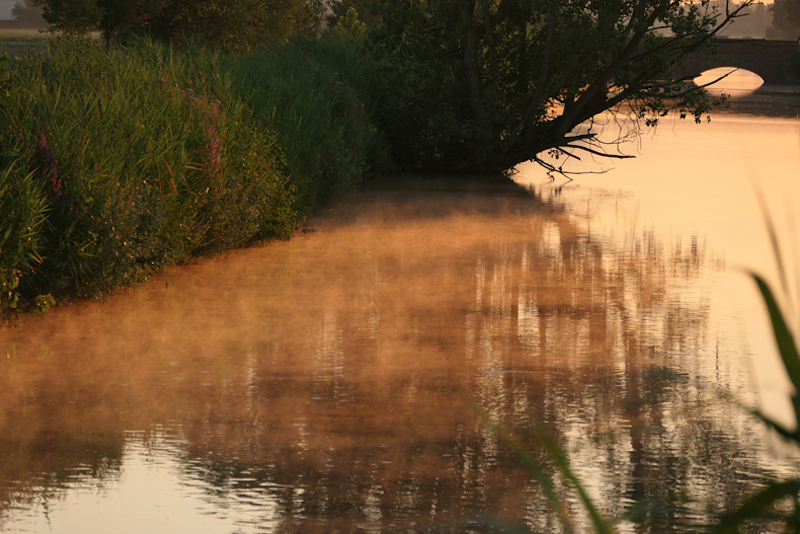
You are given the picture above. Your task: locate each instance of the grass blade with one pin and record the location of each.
(757, 506)
(783, 336)
(601, 525)
(773, 237)
(777, 427)
(528, 460)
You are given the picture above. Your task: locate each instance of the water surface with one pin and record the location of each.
(319, 385)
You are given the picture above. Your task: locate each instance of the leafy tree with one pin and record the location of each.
(118, 16)
(73, 17)
(233, 24)
(487, 84)
(27, 16)
(110, 17)
(785, 19)
(369, 11)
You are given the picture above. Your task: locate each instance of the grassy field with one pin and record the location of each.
(16, 42)
(12, 34)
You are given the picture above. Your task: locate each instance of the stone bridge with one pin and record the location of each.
(774, 61)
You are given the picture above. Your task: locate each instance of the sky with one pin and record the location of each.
(5, 9)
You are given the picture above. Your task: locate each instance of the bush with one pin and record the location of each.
(315, 94)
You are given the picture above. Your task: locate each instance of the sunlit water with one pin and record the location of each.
(322, 384)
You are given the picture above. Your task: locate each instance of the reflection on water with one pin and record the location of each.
(312, 386)
(749, 95)
(155, 488)
(309, 386)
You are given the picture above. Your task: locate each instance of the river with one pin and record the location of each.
(325, 384)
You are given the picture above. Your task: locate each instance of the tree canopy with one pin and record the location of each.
(468, 84)
(786, 18)
(488, 84)
(232, 24)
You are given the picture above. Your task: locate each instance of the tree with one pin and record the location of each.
(232, 24)
(487, 84)
(27, 16)
(370, 11)
(72, 17)
(786, 19)
(118, 16)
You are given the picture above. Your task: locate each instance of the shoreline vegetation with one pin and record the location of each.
(116, 164)
(123, 157)
(119, 162)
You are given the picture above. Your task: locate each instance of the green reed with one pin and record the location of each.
(770, 503)
(146, 156)
(123, 162)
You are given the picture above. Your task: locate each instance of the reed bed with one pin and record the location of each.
(116, 164)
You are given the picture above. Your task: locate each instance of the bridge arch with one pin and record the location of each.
(736, 79)
(774, 61)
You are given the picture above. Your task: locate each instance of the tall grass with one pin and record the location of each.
(146, 158)
(119, 163)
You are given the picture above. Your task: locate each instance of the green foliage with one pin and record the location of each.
(369, 11)
(785, 19)
(350, 25)
(130, 162)
(118, 163)
(72, 17)
(312, 93)
(227, 24)
(485, 85)
(23, 212)
(43, 303)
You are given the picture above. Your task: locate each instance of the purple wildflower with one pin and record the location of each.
(49, 165)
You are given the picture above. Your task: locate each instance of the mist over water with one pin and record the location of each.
(318, 385)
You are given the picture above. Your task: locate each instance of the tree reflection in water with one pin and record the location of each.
(315, 378)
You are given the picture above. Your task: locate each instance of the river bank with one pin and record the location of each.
(307, 386)
(118, 164)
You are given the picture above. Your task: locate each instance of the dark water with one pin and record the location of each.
(323, 384)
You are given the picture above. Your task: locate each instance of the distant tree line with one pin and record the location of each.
(469, 85)
(230, 24)
(785, 19)
(25, 16)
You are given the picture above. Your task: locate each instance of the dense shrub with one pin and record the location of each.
(316, 94)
